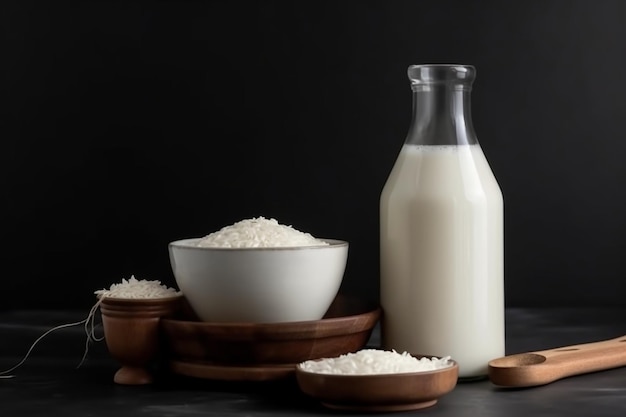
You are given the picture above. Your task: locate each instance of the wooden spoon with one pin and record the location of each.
(542, 367)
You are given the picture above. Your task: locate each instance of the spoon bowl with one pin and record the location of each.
(521, 359)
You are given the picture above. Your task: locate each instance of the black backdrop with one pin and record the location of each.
(128, 124)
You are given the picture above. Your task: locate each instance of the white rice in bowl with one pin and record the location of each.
(138, 289)
(259, 232)
(374, 362)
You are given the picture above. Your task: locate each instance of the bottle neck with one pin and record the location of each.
(441, 106)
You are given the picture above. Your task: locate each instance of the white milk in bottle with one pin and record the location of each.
(441, 231)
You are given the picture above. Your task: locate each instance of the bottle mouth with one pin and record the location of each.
(459, 76)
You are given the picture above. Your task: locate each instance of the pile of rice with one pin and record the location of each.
(374, 361)
(137, 289)
(259, 232)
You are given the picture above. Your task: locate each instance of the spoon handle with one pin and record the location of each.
(545, 366)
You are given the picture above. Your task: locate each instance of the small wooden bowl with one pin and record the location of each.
(254, 351)
(131, 333)
(379, 393)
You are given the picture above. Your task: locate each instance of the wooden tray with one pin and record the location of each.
(255, 351)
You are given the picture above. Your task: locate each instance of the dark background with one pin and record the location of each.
(126, 125)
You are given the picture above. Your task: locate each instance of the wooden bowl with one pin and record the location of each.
(131, 332)
(379, 393)
(253, 351)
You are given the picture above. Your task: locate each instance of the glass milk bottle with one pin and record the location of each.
(441, 231)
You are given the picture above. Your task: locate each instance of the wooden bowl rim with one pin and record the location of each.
(256, 332)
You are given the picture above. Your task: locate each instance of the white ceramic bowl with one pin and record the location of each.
(259, 285)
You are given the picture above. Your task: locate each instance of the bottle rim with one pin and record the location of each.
(453, 74)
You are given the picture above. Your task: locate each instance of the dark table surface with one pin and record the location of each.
(50, 384)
